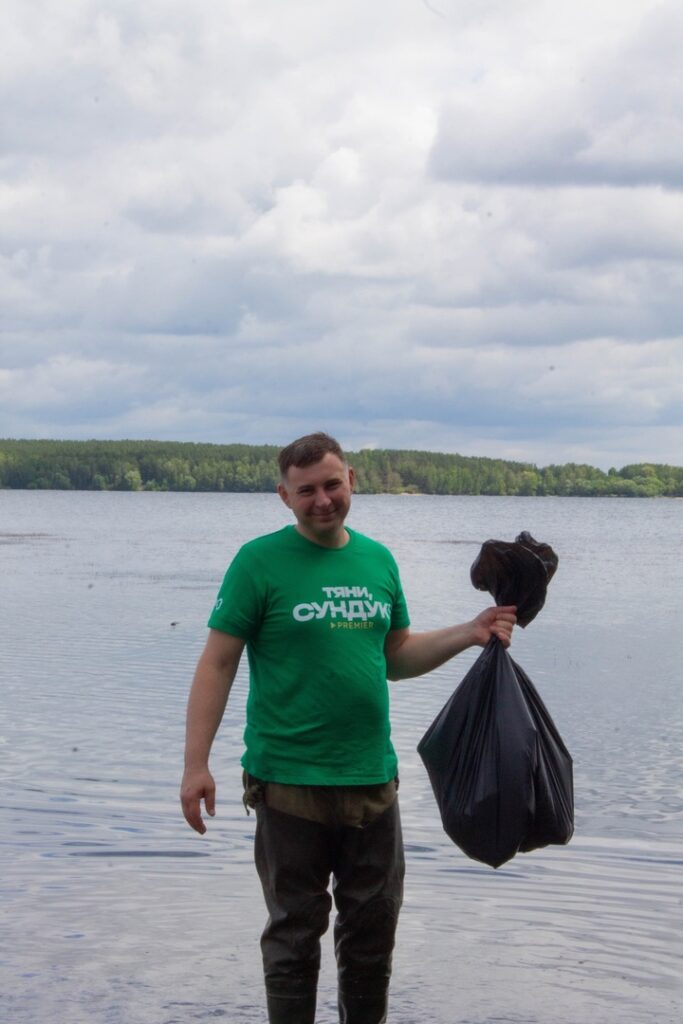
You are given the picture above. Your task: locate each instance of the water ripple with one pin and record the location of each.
(118, 914)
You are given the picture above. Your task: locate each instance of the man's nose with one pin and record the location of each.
(322, 499)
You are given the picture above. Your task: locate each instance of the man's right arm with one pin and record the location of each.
(213, 679)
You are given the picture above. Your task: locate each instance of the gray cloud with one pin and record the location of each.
(614, 120)
(450, 226)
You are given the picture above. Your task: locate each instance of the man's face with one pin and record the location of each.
(320, 498)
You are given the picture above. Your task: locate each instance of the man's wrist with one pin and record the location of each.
(471, 634)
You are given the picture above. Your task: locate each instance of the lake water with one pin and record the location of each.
(116, 913)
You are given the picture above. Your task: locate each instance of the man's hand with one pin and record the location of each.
(498, 621)
(197, 785)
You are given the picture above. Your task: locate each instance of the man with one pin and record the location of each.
(322, 614)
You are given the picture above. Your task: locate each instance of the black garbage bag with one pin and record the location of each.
(515, 573)
(500, 772)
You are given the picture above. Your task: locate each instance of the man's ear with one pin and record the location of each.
(352, 477)
(282, 491)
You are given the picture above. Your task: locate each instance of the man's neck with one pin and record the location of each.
(335, 540)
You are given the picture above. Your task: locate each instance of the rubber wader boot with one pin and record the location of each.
(365, 1009)
(291, 1009)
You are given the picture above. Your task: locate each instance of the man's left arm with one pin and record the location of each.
(412, 654)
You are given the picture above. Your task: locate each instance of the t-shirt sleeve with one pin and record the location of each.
(400, 619)
(239, 607)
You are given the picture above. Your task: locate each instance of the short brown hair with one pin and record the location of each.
(308, 450)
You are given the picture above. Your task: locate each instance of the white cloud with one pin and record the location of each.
(598, 111)
(224, 220)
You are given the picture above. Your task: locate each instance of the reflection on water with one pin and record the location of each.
(117, 913)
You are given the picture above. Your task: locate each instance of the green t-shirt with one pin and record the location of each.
(315, 620)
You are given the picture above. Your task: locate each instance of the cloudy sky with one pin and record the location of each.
(444, 224)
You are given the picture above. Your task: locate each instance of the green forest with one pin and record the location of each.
(183, 466)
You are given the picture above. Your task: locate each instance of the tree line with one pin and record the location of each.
(184, 466)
